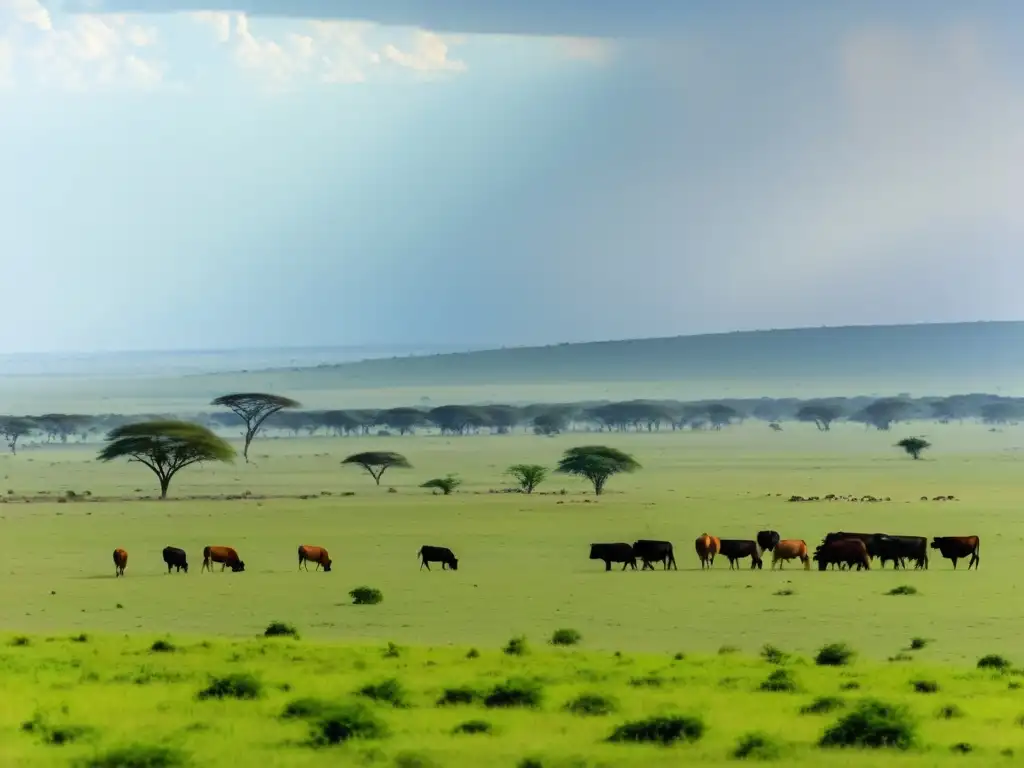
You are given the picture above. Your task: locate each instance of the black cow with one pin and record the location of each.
(850, 551)
(899, 549)
(175, 558)
(956, 547)
(617, 552)
(653, 551)
(441, 555)
(867, 538)
(737, 549)
(767, 540)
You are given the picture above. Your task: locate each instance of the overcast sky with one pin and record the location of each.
(175, 175)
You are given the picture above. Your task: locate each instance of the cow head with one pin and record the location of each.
(184, 567)
(238, 567)
(935, 544)
(327, 566)
(454, 564)
(593, 552)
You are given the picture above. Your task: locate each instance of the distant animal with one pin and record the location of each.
(707, 547)
(852, 552)
(899, 549)
(956, 547)
(226, 556)
(654, 551)
(737, 549)
(316, 555)
(791, 549)
(441, 555)
(767, 540)
(616, 552)
(120, 561)
(176, 558)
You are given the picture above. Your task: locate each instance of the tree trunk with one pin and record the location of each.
(165, 483)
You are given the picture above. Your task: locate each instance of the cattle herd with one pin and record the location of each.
(843, 549)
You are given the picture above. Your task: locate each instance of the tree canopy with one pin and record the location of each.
(596, 463)
(529, 476)
(165, 447)
(445, 484)
(377, 462)
(253, 408)
(914, 446)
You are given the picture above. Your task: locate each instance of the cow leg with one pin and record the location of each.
(954, 559)
(974, 561)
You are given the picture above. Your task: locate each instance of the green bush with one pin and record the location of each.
(515, 692)
(774, 655)
(780, 681)
(823, 705)
(566, 637)
(834, 655)
(872, 724)
(517, 646)
(240, 685)
(280, 629)
(305, 708)
(473, 726)
(994, 661)
(162, 646)
(138, 756)
(918, 643)
(591, 704)
(346, 722)
(757, 746)
(388, 692)
(366, 596)
(458, 696)
(903, 589)
(660, 730)
(925, 686)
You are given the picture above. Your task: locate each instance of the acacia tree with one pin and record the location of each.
(445, 484)
(12, 428)
(914, 446)
(165, 447)
(529, 476)
(254, 408)
(821, 414)
(596, 463)
(377, 462)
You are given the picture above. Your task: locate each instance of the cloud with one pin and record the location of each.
(596, 50)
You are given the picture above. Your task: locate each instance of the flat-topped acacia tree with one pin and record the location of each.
(377, 462)
(166, 447)
(254, 408)
(596, 463)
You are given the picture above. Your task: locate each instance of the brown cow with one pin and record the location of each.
(226, 556)
(316, 555)
(120, 561)
(957, 547)
(707, 547)
(791, 549)
(852, 552)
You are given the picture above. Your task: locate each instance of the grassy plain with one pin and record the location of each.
(523, 571)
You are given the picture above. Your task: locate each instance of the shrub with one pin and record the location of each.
(873, 724)
(138, 756)
(472, 653)
(55, 735)
(994, 661)
(780, 681)
(413, 760)
(566, 637)
(305, 709)
(240, 685)
(648, 681)
(950, 712)
(456, 696)
(591, 704)
(344, 723)
(853, 685)
(389, 691)
(774, 655)
(20, 641)
(82, 638)
(530, 762)
(515, 692)
(918, 643)
(366, 596)
(728, 650)
(663, 730)
(925, 686)
(823, 705)
(834, 655)
(392, 651)
(473, 726)
(517, 646)
(785, 593)
(280, 629)
(962, 748)
(162, 646)
(445, 484)
(757, 746)
(903, 589)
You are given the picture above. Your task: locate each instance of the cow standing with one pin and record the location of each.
(791, 549)
(653, 551)
(441, 555)
(316, 555)
(852, 552)
(707, 547)
(899, 549)
(226, 556)
(176, 558)
(120, 561)
(768, 540)
(615, 552)
(957, 547)
(737, 549)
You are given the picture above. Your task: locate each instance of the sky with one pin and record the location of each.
(265, 173)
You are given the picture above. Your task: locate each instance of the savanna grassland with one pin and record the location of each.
(77, 654)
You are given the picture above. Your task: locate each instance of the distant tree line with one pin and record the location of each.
(245, 416)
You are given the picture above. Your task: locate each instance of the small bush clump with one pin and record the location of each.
(472, 653)
(874, 725)
(757, 746)
(21, 641)
(305, 708)
(55, 735)
(82, 638)
(162, 646)
(458, 696)
(950, 712)
(903, 589)
(834, 655)
(994, 661)
(566, 637)
(774, 655)
(591, 704)
(515, 692)
(728, 650)
(473, 727)
(388, 691)
(925, 686)
(918, 643)
(780, 681)
(823, 705)
(663, 730)
(240, 685)
(366, 596)
(280, 629)
(517, 646)
(392, 651)
(138, 756)
(344, 723)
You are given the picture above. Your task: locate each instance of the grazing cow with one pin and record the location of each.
(176, 558)
(899, 549)
(707, 547)
(791, 549)
(767, 540)
(120, 561)
(226, 556)
(867, 538)
(441, 555)
(316, 555)
(617, 552)
(653, 551)
(737, 549)
(956, 547)
(852, 552)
